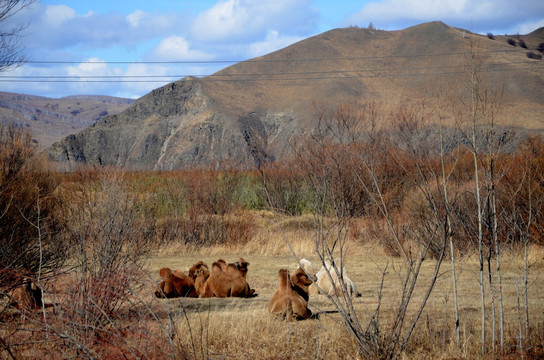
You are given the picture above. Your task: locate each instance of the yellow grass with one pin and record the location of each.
(242, 328)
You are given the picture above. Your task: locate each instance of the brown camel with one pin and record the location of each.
(291, 299)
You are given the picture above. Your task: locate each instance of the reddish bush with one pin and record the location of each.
(30, 220)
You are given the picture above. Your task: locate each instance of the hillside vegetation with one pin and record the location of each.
(264, 104)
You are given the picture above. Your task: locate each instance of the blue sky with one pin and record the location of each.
(129, 47)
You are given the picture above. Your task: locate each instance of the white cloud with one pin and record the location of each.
(62, 80)
(176, 48)
(136, 17)
(422, 9)
(529, 26)
(240, 20)
(228, 19)
(91, 67)
(56, 15)
(58, 27)
(91, 74)
(39, 88)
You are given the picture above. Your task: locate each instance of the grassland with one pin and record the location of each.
(116, 230)
(242, 328)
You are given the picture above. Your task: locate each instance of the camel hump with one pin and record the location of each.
(165, 272)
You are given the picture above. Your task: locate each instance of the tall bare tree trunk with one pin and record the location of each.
(480, 249)
(453, 274)
(526, 252)
(526, 285)
(489, 273)
(518, 310)
(474, 87)
(497, 252)
(449, 235)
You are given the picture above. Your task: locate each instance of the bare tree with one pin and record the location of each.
(11, 45)
(347, 160)
(469, 114)
(476, 110)
(110, 231)
(28, 197)
(441, 115)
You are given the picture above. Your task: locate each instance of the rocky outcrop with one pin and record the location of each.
(173, 127)
(252, 112)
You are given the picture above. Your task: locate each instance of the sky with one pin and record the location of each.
(127, 48)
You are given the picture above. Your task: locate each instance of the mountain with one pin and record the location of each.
(263, 103)
(50, 120)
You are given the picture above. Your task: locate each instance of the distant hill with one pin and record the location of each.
(265, 102)
(50, 120)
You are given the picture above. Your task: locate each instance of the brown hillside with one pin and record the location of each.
(267, 100)
(50, 120)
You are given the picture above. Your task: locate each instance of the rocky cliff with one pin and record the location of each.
(252, 111)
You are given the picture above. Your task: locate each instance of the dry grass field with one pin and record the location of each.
(242, 328)
(236, 328)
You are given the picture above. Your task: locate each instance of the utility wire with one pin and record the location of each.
(246, 77)
(263, 60)
(395, 71)
(178, 76)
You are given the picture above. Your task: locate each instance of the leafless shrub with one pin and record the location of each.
(512, 42)
(201, 230)
(111, 231)
(377, 229)
(346, 152)
(491, 36)
(533, 55)
(30, 244)
(286, 189)
(142, 330)
(211, 192)
(522, 43)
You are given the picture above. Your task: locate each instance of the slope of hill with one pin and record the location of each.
(50, 120)
(265, 102)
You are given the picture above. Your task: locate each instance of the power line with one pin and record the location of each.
(44, 62)
(246, 74)
(284, 76)
(264, 60)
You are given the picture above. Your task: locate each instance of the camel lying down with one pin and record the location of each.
(26, 296)
(175, 284)
(224, 280)
(291, 299)
(330, 285)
